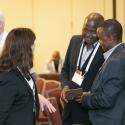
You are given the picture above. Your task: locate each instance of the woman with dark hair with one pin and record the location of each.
(19, 102)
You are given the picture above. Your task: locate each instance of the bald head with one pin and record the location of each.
(56, 55)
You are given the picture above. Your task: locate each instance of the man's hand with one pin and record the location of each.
(80, 97)
(63, 94)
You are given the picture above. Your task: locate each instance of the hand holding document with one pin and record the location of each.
(72, 94)
(84, 94)
(76, 94)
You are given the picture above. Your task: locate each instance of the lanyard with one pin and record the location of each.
(90, 60)
(92, 56)
(80, 56)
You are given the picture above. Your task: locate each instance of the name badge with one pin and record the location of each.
(77, 77)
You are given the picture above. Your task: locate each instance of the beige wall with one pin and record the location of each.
(17, 13)
(54, 22)
(81, 8)
(121, 14)
(52, 25)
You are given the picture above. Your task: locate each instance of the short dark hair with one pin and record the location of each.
(17, 51)
(112, 27)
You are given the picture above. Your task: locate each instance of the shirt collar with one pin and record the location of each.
(109, 52)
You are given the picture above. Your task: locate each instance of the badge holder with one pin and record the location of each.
(78, 77)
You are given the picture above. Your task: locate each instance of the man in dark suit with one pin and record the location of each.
(85, 56)
(106, 100)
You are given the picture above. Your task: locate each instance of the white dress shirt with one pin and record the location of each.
(110, 51)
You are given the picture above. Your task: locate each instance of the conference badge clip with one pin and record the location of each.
(77, 77)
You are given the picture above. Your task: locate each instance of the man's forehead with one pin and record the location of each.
(91, 24)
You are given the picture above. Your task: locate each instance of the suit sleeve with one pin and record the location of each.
(112, 83)
(7, 97)
(64, 77)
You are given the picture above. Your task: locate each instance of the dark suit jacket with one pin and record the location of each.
(16, 100)
(72, 108)
(107, 102)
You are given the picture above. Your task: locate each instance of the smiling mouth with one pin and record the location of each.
(89, 39)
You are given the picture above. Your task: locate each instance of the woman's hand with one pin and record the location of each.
(44, 102)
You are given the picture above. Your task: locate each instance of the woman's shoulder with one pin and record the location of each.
(8, 82)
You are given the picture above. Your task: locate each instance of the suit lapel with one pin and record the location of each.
(19, 75)
(117, 50)
(101, 70)
(114, 52)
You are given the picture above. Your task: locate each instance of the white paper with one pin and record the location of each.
(77, 78)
